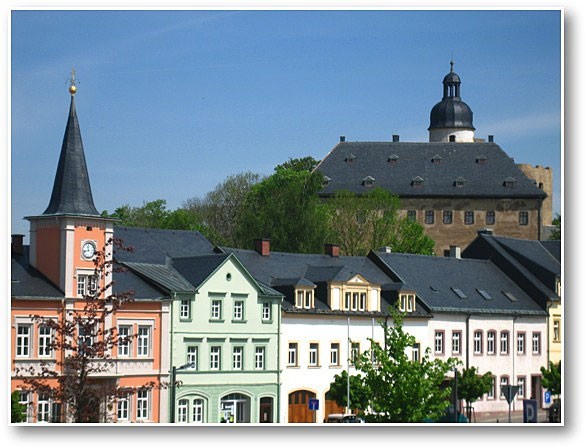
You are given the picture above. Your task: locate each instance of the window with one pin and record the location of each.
(439, 343)
(308, 299)
(142, 404)
(452, 138)
(24, 400)
(415, 352)
(354, 351)
(523, 218)
(407, 303)
(123, 408)
(45, 339)
(521, 387)
(509, 182)
(504, 342)
(456, 342)
(368, 181)
(198, 410)
(468, 217)
(292, 360)
(192, 356)
(43, 408)
(490, 217)
(536, 344)
(448, 216)
(362, 302)
(124, 338)
(485, 295)
(429, 216)
(237, 356)
(87, 284)
(412, 215)
(182, 408)
(216, 309)
(504, 382)
(266, 311)
(215, 352)
(520, 343)
(490, 341)
(335, 354)
(436, 160)
(347, 299)
(417, 181)
(238, 310)
(478, 342)
(459, 182)
(143, 343)
(304, 299)
(23, 340)
(184, 312)
(85, 338)
(259, 358)
(491, 392)
(299, 299)
(557, 328)
(314, 354)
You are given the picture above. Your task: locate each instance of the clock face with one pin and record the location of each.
(88, 250)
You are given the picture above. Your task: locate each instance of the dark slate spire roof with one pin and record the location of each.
(483, 167)
(451, 111)
(72, 194)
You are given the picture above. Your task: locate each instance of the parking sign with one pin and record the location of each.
(529, 411)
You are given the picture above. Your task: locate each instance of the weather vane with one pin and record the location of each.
(72, 88)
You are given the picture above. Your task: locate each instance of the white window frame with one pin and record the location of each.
(215, 357)
(45, 339)
(521, 387)
(216, 309)
(362, 302)
(185, 309)
(335, 354)
(198, 408)
(478, 342)
(313, 354)
(143, 345)
(182, 410)
(237, 357)
(354, 352)
(43, 407)
(416, 352)
(83, 338)
(238, 312)
(87, 284)
(299, 298)
(490, 342)
(504, 343)
(24, 340)
(504, 382)
(24, 400)
(456, 342)
(491, 392)
(438, 345)
(266, 311)
(557, 330)
(123, 408)
(259, 358)
(521, 343)
(536, 343)
(293, 358)
(192, 352)
(124, 343)
(142, 404)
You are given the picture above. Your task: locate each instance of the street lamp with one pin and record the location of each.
(174, 370)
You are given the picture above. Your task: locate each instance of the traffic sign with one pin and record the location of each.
(547, 397)
(313, 404)
(509, 392)
(529, 411)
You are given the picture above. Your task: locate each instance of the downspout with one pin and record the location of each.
(279, 363)
(172, 326)
(547, 321)
(468, 341)
(514, 354)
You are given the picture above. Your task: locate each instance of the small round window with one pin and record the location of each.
(228, 276)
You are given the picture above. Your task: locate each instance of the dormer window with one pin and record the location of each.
(437, 159)
(417, 181)
(350, 158)
(459, 182)
(355, 301)
(393, 159)
(368, 181)
(452, 138)
(304, 299)
(326, 181)
(481, 160)
(509, 182)
(407, 303)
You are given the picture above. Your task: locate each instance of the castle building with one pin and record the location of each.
(453, 185)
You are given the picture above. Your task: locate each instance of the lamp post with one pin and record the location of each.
(455, 395)
(173, 379)
(349, 357)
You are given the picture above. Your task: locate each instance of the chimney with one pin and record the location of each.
(455, 252)
(395, 138)
(333, 250)
(263, 246)
(17, 248)
(342, 138)
(385, 249)
(485, 231)
(490, 138)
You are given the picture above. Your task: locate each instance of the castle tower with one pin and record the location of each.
(451, 118)
(65, 238)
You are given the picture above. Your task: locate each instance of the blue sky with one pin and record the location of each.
(170, 103)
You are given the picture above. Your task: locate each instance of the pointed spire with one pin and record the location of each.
(72, 194)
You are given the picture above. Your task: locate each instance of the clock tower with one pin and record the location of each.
(66, 237)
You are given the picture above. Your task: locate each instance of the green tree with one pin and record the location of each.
(552, 378)
(403, 390)
(369, 221)
(556, 233)
(285, 207)
(359, 394)
(307, 163)
(472, 386)
(18, 410)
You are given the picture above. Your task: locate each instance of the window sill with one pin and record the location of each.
(239, 321)
(216, 320)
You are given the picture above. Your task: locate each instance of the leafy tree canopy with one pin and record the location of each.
(359, 394)
(556, 233)
(307, 163)
(552, 378)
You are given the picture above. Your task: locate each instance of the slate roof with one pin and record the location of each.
(155, 246)
(440, 281)
(27, 282)
(483, 167)
(72, 193)
(281, 270)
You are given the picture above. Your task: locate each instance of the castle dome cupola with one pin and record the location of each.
(451, 118)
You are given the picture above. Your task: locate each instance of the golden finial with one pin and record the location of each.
(72, 88)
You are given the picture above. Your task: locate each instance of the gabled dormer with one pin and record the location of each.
(355, 294)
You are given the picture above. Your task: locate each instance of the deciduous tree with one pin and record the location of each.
(472, 386)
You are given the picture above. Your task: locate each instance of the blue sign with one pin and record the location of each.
(529, 411)
(547, 397)
(313, 404)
